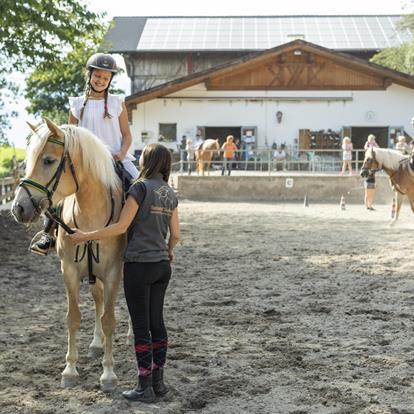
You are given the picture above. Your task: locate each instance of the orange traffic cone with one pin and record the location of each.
(306, 200)
(342, 203)
(393, 208)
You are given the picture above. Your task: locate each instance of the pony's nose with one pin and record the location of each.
(17, 211)
(363, 173)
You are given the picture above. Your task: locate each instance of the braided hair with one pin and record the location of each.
(87, 93)
(106, 113)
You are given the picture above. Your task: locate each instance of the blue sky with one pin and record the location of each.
(210, 8)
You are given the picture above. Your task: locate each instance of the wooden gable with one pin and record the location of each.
(297, 65)
(298, 70)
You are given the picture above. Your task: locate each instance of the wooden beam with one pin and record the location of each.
(130, 107)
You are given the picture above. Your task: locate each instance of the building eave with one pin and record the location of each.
(341, 58)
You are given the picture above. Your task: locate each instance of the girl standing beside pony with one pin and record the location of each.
(369, 186)
(105, 116)
(149, 212)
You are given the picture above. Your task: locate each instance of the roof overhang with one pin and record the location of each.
(390, 76)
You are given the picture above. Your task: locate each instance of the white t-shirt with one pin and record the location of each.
(279, 155)
(347, 151)
(107, 130)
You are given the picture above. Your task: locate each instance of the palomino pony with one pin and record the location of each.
(204, 155)
(70, 165)
(398, 168)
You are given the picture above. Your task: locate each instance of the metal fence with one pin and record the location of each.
(310, 161)
(7, 186)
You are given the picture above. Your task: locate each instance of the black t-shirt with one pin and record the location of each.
(370, 179)
(149, 228)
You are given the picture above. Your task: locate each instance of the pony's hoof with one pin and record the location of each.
(95, 352)
(109, 385)
(69, 381)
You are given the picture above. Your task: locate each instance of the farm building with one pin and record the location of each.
(301, 80)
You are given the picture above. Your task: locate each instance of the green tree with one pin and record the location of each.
(399, 58)
(33, 32)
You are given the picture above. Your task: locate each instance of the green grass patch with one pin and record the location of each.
(6, 154)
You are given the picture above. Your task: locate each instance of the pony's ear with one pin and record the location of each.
(32, 127)
(53, 128)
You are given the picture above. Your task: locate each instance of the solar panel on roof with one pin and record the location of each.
(258, 33)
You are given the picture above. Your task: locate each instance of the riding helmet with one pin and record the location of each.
(102, 61)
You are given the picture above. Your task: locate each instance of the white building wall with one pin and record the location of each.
(198, 107)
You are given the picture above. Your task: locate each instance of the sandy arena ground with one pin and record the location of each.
(272, 309)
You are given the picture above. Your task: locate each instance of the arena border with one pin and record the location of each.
(283, 188)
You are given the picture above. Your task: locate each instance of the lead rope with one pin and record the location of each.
(88, 246)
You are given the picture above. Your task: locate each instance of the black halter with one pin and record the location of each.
(371, 170)
(53, 182)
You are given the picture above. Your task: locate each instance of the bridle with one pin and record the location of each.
(368, 169)
(26, 183)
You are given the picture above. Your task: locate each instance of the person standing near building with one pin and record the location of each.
(189, 148)
(199, 141)
(238, 155)
(370, 187)
(279, 157)
(347, 155)
(229, 148)
(371, 142)
(150, 212)
(402, 145)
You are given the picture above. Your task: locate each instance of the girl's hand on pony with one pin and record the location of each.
(78, 236)
(119, 156)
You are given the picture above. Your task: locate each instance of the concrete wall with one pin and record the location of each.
(391, 107)
(320, 188)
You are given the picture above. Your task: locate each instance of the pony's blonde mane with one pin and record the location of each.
(211, 143)
(37, 141)
(388, 158)
(95, 158)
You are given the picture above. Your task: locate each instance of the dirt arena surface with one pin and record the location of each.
(272, 309)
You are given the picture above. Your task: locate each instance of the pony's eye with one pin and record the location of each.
(48, 161)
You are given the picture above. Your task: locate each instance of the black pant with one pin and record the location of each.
(145, 285)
